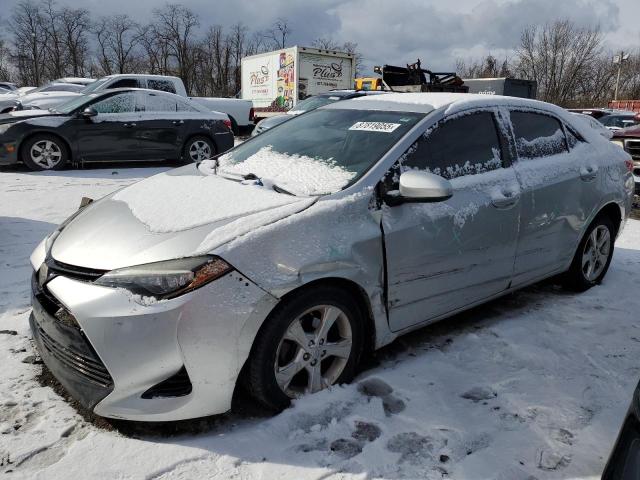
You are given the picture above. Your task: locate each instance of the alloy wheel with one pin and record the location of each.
(314, 351)
(199, 151)
(596, 252)
(46, 154)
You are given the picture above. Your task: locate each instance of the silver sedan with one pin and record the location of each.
(279, 264)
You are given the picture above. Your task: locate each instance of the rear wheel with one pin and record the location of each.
(312, 341)
(45, 152)
(593, 257)
(197, 149)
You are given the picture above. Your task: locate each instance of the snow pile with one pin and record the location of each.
(299, 174)
(171, 203)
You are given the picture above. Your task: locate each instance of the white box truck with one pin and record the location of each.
(275, 81)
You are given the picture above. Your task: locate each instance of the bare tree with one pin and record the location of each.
(176, 26)
(558, 56)
(5, 65)
(279, 33)
(29, 39)
(117, 37)
(487, 67)
(75, 27)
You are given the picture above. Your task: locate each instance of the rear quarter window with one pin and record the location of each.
(162, 85)
(537, 135)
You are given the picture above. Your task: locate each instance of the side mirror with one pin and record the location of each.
(423, 187)
(89, 112)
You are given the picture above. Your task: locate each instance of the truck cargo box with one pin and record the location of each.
(275, 81)
(511, 87)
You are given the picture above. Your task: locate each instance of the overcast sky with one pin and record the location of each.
(399, 31)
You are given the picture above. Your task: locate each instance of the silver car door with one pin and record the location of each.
(551, 214)
(444, 256)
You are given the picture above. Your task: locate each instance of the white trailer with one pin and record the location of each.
(275, 81)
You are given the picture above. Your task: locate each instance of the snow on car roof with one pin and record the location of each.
(426, 102)
(457, 102)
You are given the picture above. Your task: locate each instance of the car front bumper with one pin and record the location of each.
(133, 347)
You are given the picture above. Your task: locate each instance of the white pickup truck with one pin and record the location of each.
(240, 112)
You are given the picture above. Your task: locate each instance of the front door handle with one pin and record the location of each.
(505, 199)
(588, 173)
(178, 122)
(129, 125)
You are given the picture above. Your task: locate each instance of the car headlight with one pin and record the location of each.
(4, 127)
(167, 279)
(618, 142)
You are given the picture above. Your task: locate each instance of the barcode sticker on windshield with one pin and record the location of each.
(374, 126)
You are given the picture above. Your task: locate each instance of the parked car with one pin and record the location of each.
(240, 112)
(594, 112)
(624, 461)
(629, 140)
(116, 125)
(309, 104)
(8, 101)
(8, 86)
(616, 121)
(595, 124)
(278, 264)
(110, 82)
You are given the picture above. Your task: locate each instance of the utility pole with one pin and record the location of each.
(619, 59)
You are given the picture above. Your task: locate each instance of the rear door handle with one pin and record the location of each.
(588, 173)
(178, 122)
(506, 199)
(129, 125)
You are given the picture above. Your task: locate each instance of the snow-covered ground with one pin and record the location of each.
(534, 385)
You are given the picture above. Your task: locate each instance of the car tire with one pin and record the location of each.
(323, 362)
(197, 149)
(45, 152)
(593, 256)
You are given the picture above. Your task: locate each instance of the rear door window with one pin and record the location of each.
(160, 103)
(537, 135)
(465, 145)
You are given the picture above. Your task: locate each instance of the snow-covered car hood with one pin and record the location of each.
(19, 115)
(179, 213)
(47, 99)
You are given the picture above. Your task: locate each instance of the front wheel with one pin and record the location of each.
(45, 152)
(593, 257)
(197, 149)
(312, 341)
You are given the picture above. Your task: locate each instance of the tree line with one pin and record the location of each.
(572, 65)
(46, 41)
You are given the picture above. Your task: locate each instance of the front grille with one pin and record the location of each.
(90, 368)
(633, 147)
(73, 272)
(177, 385)
(51, 304)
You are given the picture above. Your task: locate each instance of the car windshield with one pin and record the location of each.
(317, 153)
(314, 102)
(94, 85)
(73, 104)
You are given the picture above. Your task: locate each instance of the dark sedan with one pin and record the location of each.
(124, 124)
